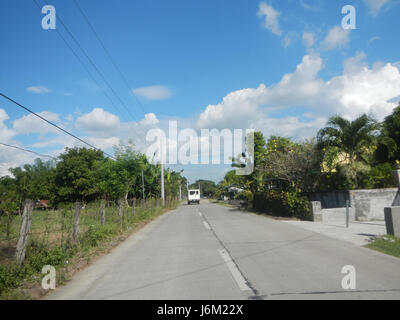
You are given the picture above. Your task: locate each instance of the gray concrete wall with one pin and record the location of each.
(367, 204)
(370, 204)
(337, 216)
(333, 199)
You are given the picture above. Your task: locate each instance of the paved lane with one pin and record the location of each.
(282, 261)
(174, 257)
(214, 252)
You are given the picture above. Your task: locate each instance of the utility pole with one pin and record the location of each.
(162, 185)
(162, 175)
(143, 183)
(180, 192)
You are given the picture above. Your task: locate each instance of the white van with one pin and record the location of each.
(194, 196)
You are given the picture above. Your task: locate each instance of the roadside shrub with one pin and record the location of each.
(279, 203)
(298, 206)
(10, 277)
(379, 176)
(96, 234)
(40, 254)
(246, 196)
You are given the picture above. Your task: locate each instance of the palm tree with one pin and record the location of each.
(353, 138)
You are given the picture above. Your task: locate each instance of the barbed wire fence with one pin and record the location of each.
(72, 224)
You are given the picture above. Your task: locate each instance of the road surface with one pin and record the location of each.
(208, 251)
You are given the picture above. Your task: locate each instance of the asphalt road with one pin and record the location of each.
(208, 251)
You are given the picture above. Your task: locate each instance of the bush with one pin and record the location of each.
(379, 176)
(245, 196)
(283, 204)
(94, 235)
(10, 277)
(39, 254)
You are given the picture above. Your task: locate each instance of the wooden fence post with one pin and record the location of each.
(77, 214)
(120, 209)
(103, 212)
(133, 206)
(24, 231)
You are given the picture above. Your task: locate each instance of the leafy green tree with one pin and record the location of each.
(351, 140)
(9, 198)
(379, 176)
(208, 187)
(297, 164)
(172, 181)
(112, 179)
(75, 174)
(388, 149)
(35, 181)
(133, 162)
(254, 181)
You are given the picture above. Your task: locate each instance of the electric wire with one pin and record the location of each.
(54, 125)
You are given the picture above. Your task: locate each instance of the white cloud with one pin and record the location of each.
(337, 37)
(360, 89)
(271, 18)
(103, 143)
(5, 133)
(38, 89)
(373, 39)
(308, 39)
(375, 5)
(99, 122)
(309, 7)
(32, 124)
(149, 119)
(289, 38)
(153, 92)
(10, 157)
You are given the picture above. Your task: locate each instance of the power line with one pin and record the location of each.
(109, 55)
(94, 65)
(85, 67)
(26, 150)
(123, 77)
(53, 124)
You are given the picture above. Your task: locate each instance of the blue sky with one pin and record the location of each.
(279, 66)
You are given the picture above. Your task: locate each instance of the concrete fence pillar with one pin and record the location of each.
(392, 220)
(316, 211)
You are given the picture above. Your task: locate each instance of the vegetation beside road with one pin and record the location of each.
(345, 155)
(51, 243)
(386, 244)
(115, 197)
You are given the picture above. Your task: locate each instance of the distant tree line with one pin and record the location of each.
(86, 175)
